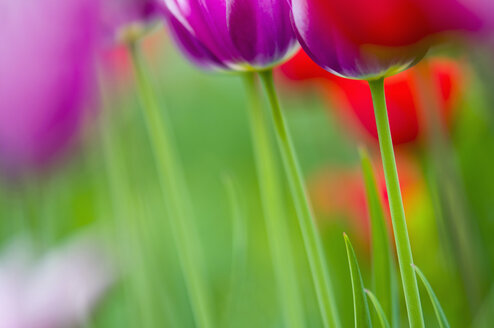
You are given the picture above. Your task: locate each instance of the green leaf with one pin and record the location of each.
(383, 274)
(441, 317)
(379, 310)
(360, 305)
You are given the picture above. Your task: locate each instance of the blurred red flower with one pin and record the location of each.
(340, 192)
(302, 68)
(352, 98)
(118, 62)
(404, 106)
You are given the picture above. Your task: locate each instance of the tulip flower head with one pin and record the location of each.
(239, 35)
(45, 77)
(362, 39)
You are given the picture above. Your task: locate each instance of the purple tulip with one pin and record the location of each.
(46, 77)
(236, 35)
(368, 39)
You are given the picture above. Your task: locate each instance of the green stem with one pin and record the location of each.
(383, 266)
(272, 203)
(310, 235)
(402, 240)
(172, 182)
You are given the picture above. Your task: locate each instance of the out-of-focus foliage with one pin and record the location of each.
(212, 136)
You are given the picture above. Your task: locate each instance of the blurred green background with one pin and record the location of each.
(208, 114)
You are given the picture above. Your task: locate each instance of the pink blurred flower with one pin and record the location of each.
(58, 290)
(46, 77)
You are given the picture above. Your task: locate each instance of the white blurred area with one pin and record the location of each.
(52, 290)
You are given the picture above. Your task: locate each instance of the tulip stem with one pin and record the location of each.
(173, 185)
(310, 235)
(272, 204)
(402, 240)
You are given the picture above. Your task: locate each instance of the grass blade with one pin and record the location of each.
(171, 180)
(379, 310)
(485, 315)
(273, 206)
(441, 317)
(360, 305)
(310, 235)
(383, 274)
(239, 249)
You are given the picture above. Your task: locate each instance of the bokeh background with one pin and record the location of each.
(106, 186)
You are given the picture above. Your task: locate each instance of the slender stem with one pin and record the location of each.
(383, 266)
(272, 203)
(310, 235)
(172, 182)
(402, 240)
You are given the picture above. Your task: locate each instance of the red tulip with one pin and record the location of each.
(404, 111)
(340, 192)
(353, 100)
(302, 68)
(118, 62)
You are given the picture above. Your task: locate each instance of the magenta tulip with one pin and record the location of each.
(46, 77)
(237, 35)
